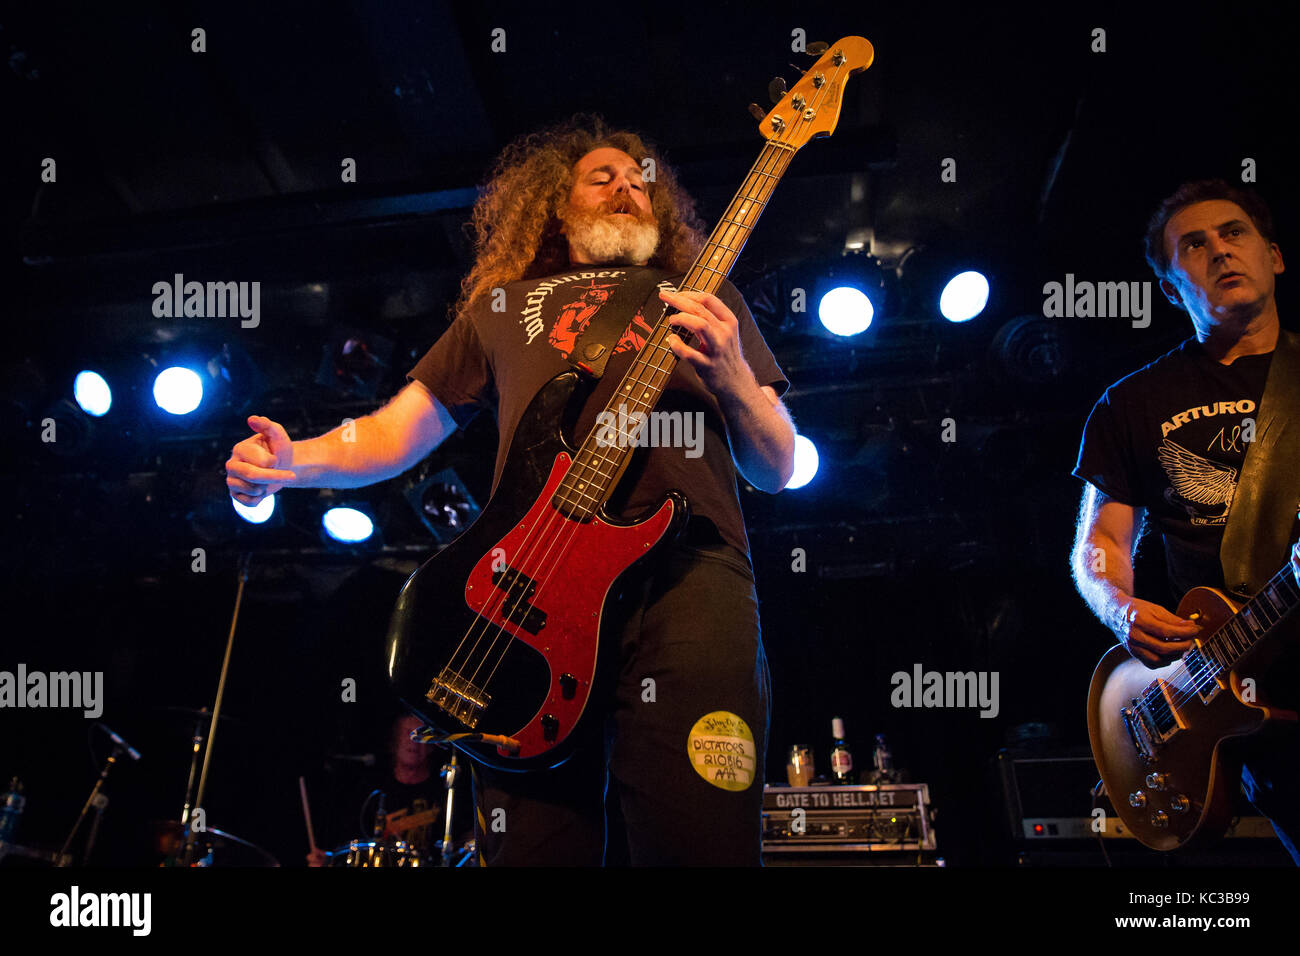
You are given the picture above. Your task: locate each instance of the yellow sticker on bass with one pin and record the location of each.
(721, 749)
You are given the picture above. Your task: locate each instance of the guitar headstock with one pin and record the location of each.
(811, 108)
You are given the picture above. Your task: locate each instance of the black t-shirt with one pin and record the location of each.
(1171, 438)
(414, 812)
(500, 359)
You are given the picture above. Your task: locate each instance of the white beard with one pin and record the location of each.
(604, 239)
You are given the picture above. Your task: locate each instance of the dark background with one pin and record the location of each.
(225, 166)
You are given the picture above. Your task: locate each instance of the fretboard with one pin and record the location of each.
(1257, 618)
(603, 456)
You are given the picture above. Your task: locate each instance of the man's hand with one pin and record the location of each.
(1153, 635)
(717, 359)
(318, 858)
(258, 465)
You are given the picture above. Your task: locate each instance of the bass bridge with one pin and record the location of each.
(460, 698)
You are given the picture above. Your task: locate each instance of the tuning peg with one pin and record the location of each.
(817, 49)
(776, 89)
(756, 111)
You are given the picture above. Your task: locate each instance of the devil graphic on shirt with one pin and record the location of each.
(575, 316)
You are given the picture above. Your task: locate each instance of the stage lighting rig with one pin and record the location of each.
(944, 281)
(846, 294)
(442, 502)
(355, 362)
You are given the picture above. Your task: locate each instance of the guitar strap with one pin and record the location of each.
(596, 344)
(1261, 523)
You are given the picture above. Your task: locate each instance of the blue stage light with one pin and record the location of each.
(348, 525)
(805, 462)
(92, 393)
(964, 297)
(255, 514)
(845, 310)
(178, 390)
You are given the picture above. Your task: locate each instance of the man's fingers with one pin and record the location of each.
(238, 484)
(1172, 620)
(693, 324)
(682, 350)
(273, 431)
(1151, 651)
(1175, 629)
(1165, 650)
(1160, 622)
(705, 302)
(259, 476)
(256, 450)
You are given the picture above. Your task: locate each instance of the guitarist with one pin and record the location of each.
(1166, 445)
(567, 215)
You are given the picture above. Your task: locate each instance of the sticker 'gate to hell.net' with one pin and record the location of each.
(722, 751)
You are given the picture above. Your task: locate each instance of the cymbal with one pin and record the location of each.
(196, 714)
(226, 848)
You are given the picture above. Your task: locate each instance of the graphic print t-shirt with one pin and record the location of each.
(1171, 438)
(498, 360)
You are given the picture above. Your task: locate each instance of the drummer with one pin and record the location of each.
(414, 796)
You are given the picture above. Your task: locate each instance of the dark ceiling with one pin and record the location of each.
(227, 163)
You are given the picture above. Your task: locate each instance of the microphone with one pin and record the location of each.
(130, 751)
(367, 760)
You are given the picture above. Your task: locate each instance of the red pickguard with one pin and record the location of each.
(573, 564)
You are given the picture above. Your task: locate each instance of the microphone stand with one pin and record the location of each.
(187, 854)
(195, 746)
(449, 771)
(97, 800)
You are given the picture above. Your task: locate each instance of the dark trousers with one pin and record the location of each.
(1270, 775)
(1270, 771)
(669, 777)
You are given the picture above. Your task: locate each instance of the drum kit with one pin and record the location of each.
(189, 842)
(387, 849)
(177, 844)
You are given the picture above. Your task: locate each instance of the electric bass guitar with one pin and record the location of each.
(495, 642)
(1158, 735)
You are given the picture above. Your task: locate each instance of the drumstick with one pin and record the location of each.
(306, 813)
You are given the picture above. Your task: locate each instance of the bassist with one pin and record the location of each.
(567, 215)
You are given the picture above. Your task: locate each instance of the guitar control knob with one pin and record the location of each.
(1179, 803)
(1137, 799)
(1157, 781)
(568, 686)
(1160, 819)
(550, 727)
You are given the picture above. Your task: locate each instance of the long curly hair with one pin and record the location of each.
(515, 222)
